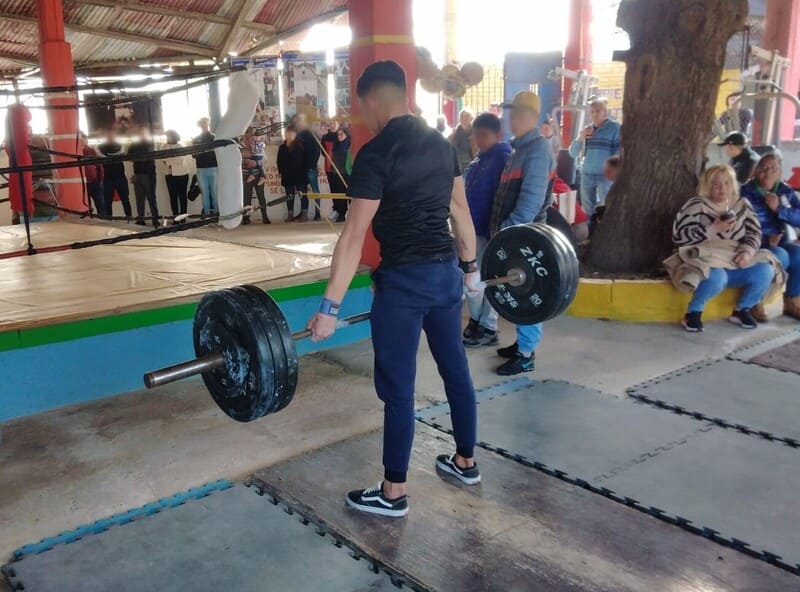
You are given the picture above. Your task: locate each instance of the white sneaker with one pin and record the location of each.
(332, 216)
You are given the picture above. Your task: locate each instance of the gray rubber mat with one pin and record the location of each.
(744, 488)
(489, 392)
(577, 430)
(733, 394)
(230, 540)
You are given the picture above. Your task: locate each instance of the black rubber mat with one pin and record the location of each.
(230, 540)
(575, 429)
(733, 394)
(737, 490)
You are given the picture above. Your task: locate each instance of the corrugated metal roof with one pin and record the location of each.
(104, 32)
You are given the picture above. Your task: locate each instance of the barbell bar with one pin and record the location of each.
(247, 355)
(216, 359)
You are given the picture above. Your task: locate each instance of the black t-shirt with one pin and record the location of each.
(410, 167)
(144, 165)
(114, 169)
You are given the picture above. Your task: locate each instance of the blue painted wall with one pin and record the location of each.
(36, 379)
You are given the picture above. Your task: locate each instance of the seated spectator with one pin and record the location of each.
(481, 180)
(580, 221)
(778, 209)
(611, 169)
(743, 159)
(725, 231)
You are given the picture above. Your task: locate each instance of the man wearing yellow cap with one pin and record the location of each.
(521, 199)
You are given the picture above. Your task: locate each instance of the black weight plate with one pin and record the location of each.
(262, 317)
(225, 322)
(550, 268)
(559, 222)
(280, 327)
(569, 261)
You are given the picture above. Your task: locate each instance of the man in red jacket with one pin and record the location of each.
(93, 176)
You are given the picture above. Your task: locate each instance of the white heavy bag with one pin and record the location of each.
(246, 88)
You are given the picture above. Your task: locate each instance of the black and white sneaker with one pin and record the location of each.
(447, 463)
(692, 322)
(374, 502)
(744, 318)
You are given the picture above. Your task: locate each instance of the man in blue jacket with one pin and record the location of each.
(481, 178)
(521, 199)
(778, 210)
(598, 141)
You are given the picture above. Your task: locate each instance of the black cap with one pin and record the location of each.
(734, 139)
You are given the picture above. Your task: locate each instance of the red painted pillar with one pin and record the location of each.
(578, 55)
(382, 30)
(782, 34)
(55, 60)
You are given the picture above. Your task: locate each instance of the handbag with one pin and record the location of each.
(194, 189)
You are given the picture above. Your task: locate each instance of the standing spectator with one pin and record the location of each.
(461, 139)
(778, 210)
(294, 175)
(329, 141)
(93, 175)
(481, 180)
(343, 160)
(725, 223)
(114, 178)
(735, 118)
(743, 159)
(207, 169)
(250, 182)
(598, 141)
(442, 127)
(521, 199)
(144, 176)
(311, 152)
(177, 168)
(551, 132)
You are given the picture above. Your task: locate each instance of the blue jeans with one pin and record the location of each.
(409, 299)
(594, 189)
(528, 337)
(754, 279)
(789, 256)
(313, 180)
(207, 180)
(479, 308)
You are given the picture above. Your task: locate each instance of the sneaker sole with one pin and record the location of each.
(738, 321)
(689, 329)
(466, 480)
(379, 511)
(479, 345)
(523, 371)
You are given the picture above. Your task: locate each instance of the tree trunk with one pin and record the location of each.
(673, 74)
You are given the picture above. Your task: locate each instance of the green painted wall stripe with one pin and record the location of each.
(146, 318)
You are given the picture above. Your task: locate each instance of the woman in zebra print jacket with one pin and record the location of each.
(719, 214)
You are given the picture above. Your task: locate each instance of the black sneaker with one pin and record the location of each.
(471, 330)
(744, 318)
(446, 463)
(482, 338)
(517, 365)
(692, 322)
(373, 501)
(509, 352)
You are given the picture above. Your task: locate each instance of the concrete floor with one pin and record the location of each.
(71, 466)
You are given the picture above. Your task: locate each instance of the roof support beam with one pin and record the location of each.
(294, 30)
(138, 6)
(244, 10)
(181, 46)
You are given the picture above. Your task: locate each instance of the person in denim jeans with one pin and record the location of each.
(522, 199)
(207, 169)
(598, 142)
(778, 209)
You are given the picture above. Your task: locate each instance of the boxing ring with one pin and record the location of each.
(82, 324)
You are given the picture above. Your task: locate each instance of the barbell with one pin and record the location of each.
(247, 356)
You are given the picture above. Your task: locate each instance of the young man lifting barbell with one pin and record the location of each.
(406, 182)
